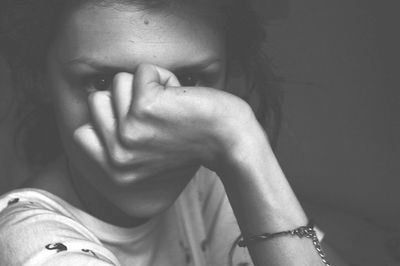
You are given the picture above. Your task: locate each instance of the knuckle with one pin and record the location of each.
(145, 109)
(137, 136)
(119, 158)
(129, 135)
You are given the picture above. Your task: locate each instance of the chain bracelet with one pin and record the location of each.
(303, 231)
(309, 232)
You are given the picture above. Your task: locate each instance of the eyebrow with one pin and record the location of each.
(98, 65)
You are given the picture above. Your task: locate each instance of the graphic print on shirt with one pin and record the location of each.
(57, 246)
(13, 201)
(90, 252)
(186, 250)
(204, 245)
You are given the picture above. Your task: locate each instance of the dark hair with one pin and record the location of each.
(27, 28)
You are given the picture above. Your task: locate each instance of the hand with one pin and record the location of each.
(149, 125)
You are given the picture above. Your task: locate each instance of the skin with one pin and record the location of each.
(135, 135)
(96, 42)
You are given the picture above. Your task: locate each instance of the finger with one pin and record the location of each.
(149, 84)
(149, 77)
(167, 78)
(122, 95)
(101, 108)
(88, 140)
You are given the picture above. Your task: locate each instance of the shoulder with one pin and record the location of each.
(33, 215)
(29, 200)
(36, 225)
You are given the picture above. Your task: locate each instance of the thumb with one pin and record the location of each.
(148, 77)
(149, 83)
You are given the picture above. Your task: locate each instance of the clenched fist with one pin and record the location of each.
(148, 125)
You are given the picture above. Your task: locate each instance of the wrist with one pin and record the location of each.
(262, 198)
(252, 177)
(246, 149)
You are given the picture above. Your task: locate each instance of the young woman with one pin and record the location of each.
(155, 138)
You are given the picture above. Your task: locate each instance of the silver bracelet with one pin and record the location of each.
(302, 231)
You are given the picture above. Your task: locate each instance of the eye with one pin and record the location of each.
(99, 83)
(188, 80)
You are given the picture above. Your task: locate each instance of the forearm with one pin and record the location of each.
(264, 202)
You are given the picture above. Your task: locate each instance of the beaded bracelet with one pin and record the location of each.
(302, 231)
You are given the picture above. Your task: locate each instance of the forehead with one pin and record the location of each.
(119, 33)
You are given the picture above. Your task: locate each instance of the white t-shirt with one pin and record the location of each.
(39, 228)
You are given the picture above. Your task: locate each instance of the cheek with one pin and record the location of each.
(69, 103)
(71, 111)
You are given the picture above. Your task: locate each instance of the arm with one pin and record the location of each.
(263, 201)
(34, 230)
(151, 117)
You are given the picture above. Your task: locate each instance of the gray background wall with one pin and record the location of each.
(340, 144)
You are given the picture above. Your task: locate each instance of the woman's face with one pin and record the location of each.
(97, 41)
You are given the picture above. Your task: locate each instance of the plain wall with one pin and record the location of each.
(340, 144)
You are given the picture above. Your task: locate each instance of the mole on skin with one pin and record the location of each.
(146, 22)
